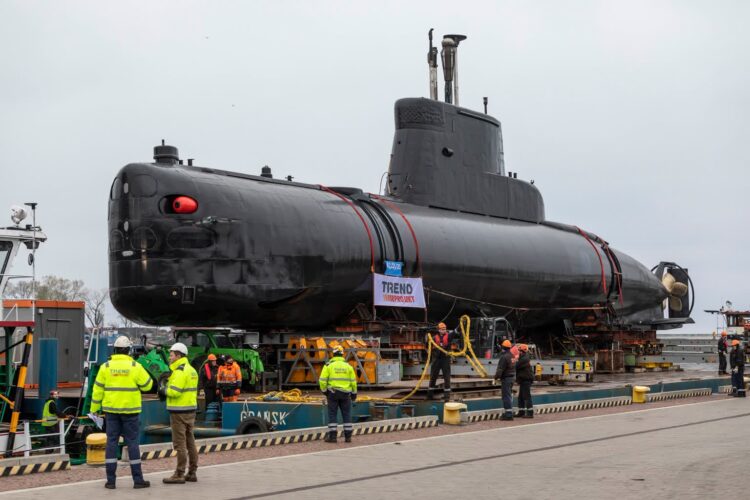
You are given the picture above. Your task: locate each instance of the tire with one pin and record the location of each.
(253, 425)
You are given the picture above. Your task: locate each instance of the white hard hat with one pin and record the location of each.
(179, 347)
(123, 341)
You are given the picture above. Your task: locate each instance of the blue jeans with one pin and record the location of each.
(508, 394)
(738, 379)
(125, 425)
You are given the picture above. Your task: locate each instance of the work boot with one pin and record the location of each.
(174, 479)
(141, 484)
(348, 437)
(508, 415)
(519, 414)
(528, 414)
(191, 477)
(330, 437)
(110, 486)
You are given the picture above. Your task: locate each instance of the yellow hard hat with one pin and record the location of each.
(441, 326)
(338, 351)
(506, 343)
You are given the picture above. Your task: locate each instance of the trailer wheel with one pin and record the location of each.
(253, 425)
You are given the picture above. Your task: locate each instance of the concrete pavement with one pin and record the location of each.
(685, 452)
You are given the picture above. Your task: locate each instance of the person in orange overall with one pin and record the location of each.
(229, 380)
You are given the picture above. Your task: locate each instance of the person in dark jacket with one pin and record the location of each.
(506, 373)
(207, 380)
(525, 377)
(723, 353)
(737, 362)
(441, 362)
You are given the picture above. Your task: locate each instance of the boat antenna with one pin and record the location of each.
(449, 55)
(485, 104)
(32, 258)
(432, 63)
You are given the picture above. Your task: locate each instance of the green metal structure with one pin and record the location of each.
(200, 343)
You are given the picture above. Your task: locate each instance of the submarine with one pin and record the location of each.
(196, 245)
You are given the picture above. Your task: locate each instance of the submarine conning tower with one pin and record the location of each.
(449, 157)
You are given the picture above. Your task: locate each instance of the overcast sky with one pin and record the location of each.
(632, 117)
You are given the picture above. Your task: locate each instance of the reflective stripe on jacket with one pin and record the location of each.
(182, 387)
(229, 375)
(118, 386)
(339, 375)
(49, 418)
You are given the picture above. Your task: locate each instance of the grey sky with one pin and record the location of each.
(631, 117)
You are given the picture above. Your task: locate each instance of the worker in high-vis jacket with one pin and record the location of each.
(51, 415)
(229, 380)
(207, 380)
(117, 392)
(181, 393)
(441, 362)
(339, 383)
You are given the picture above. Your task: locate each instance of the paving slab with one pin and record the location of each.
(673, 452)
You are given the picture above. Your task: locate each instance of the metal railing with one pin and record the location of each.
(60, 433)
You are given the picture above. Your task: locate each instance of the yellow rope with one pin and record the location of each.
(290, 396)
(464, 325)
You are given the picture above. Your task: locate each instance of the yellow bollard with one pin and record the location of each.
(95, 444)
(452, 413)
(639, 393)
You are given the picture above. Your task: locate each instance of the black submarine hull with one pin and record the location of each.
(268, 254)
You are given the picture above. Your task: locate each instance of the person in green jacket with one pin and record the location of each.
(339, 383)
(51, 415)
(181, 394)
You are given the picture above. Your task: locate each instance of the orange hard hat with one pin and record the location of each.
(723, 334)
(523, 347)
(441, 326)
(735, 342)
(506, 343)
(211, 357)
